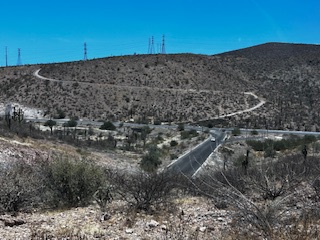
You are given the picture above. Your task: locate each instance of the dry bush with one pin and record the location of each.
(21, 187)
(142, 190)
(275, 179)
(261, 217)
(255, 217)
(72, 182)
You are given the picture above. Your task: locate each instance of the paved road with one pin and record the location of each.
(189, 163)
(267, 131)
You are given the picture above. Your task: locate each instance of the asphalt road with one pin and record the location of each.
(189, 163)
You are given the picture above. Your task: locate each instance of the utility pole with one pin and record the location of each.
(19, 62)
(85, 58)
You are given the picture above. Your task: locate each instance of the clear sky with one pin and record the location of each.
(56, 30)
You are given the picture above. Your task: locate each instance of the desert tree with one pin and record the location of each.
(50, 123)
(108, 126)
(71, 124)
(145, 131)
(151, 160)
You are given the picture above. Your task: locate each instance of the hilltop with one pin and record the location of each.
(180, 87)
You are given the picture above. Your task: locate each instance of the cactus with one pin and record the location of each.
(18, 115)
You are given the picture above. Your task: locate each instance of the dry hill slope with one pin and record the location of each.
(180, 87)
(288, 76)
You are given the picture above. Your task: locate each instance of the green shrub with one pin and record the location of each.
(72, 182)
(71, 123)
(282, 144)
(151, 160)
(188, 134)
(210, 125)
(60, 114)
(108, 126)
(180, 127)
(236, 132)
(157, 122)
(173, 156)
(254, 132)
(173, 143)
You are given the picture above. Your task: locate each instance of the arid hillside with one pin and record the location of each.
(288, 77)
(179, 87)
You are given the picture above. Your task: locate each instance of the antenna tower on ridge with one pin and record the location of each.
(163, 47)
(85, 58)
(19, 62)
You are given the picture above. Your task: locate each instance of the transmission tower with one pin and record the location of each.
(151, 46)
(85, 58)
(163, 47)
(19, 62)
(6, 56)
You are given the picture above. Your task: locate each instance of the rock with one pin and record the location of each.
(163, 227)
(152, 224)
(105, 217)
(202, 229)
(220, 219)
(129, 231)
(211, 228)
(11, 223)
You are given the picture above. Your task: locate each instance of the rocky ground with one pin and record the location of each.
(188, 218)
(185, 217)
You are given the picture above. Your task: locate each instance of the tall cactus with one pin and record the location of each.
(18, 115)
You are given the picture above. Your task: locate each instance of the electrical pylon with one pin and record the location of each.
(19, 62)
(85, 57)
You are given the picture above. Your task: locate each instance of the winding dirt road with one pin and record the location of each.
(37, 75)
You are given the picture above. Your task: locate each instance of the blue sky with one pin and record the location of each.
(55, 31)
